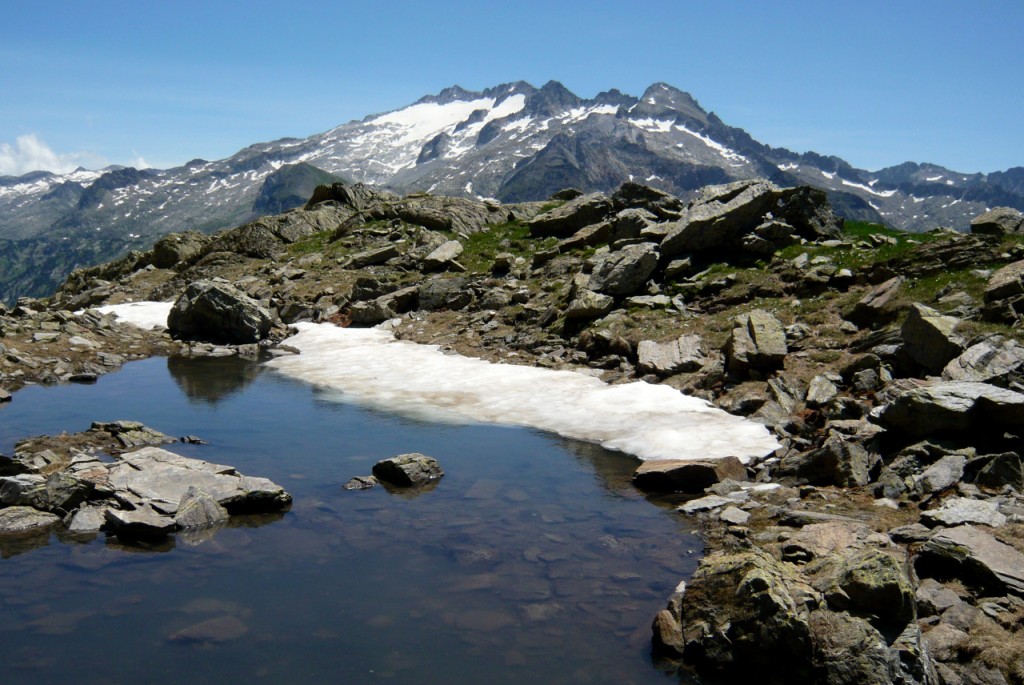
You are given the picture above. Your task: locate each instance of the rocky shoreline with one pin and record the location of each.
(882, 543)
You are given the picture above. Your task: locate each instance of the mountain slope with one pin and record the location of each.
(513, 142)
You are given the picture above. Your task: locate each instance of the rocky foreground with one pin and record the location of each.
(882, 543)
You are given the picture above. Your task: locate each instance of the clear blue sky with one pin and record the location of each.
(876, 83)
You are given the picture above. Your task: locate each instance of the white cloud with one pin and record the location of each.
(29, 153)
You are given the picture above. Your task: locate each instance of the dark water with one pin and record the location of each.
(533, 561)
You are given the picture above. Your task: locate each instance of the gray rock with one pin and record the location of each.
(837, 462)
(628, 224)
(594, 234)
(998, 221)
(1002, 470)
(198, 509)
(360, 483)
(684, 354)
(658, 475)
(959, 510)
(175, 248)
(17, 521)
(735, 516)
(867, 582)
(589, 305)
(705, 504)
(158, 478)
(974, 556)
(444, 293)
(408, 470)
(86, 520)
(1004, 294)
(820, 392)
(929, 337)
(877, 306)
(565, 220)
(933, 598)
(218, 313)
(943, 474)
(443, 258)
(758, 341)
(997, 360)
(953, 406)
(378, 255)
(624, 271)
(746, 216)
(139, 524)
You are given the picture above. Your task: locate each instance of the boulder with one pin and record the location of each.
(837, 462)
(684, 354)
(1004, 294)
(878, 306)
(565, 220)
(998, 221)
(943, 474)
(753, 217)
(589, 305)
(18, 521)
(177, 248)
(629, 223)
(685, 475)
(758, 341)
(929, 337)
(159, 479)
(624, 271)
(1001, 471)
(975, 557)
(996, 360)
(372, 257)
(953, 407)
(820, 392)
(869, 582)
(443, 258)
(139, 524)
(199, 509)
(218, 313)
(444, 293)
(408, 470)
(959, 510)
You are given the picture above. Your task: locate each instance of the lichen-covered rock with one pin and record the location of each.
(408, 470)
(176, 248)
(758, 341)
(18, 521)
(565, 220)
(997, 360)
(998, 221)
(975, 557)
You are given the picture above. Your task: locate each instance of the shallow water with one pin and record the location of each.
(533, 560)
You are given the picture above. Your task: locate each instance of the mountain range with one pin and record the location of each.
(513, 142)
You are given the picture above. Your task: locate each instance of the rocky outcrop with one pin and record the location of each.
(178, 248)
(219, 313)
(998, 221)
(953, 407)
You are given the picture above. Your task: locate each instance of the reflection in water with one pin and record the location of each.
(532, 560)
(212, 380)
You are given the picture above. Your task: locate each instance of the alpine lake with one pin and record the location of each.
(534, 560)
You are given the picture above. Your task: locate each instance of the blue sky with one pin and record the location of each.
(159, 83)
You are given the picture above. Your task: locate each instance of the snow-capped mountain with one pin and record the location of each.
(512, 142)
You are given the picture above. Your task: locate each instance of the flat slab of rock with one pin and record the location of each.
(443, 257)
(686, 353)
(160, 478)
(408, 470)
(139, 524)
(958, 510)
(16, 521)
(975, 556)
(687, 476)
(954, 406)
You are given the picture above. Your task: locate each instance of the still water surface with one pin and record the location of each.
(533, 560)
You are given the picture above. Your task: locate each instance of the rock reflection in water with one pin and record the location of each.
(212, 380)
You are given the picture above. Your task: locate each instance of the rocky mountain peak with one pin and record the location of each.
(551, 100)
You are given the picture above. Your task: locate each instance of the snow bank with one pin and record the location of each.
(370, 367)
(141, 314)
